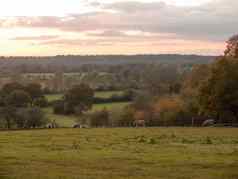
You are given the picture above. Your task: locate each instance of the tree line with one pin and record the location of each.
(20, 106)
(161, 95)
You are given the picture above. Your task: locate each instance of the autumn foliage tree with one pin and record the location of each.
(219, 93)
(232, 47)
(167, 110)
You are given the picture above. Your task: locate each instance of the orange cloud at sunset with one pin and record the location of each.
(119, 27)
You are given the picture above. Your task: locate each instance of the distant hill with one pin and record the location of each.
(74, 61)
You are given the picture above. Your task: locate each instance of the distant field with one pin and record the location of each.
(53, 97)
(106, 94)
(119, 153)
(69, 121)
(61, 120)
(110, 106)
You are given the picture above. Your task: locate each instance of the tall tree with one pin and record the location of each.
(219, 93)
(78, 99)
(232, 47)
(35, 91)
(18, 99)
(10, 87)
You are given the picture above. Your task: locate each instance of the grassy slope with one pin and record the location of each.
(151, 153)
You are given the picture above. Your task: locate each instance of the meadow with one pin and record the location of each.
(119, 153)
(101, 94)
(70, 120)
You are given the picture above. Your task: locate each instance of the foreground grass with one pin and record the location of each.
(153, 153)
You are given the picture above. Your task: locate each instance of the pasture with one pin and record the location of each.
(103, 94)
(119, 153)
(69, 121)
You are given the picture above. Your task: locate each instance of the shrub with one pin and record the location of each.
(58, 107)
(30, 117)
(100, 118)
(41, 102)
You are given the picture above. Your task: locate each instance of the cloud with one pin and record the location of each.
(77, 42)
(133, 6)
(108, 33)
(38, 38)
(214, 21)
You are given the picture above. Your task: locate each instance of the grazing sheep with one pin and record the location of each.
(139, 123)
(80, 126)
(85, 126)
(209, 122)
(51, 125)
(76, 126)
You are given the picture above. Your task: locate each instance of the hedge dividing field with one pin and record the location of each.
(119, 153)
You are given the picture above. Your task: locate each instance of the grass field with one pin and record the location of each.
(69, 121)
(103, 94)
(145, 153)
(107, 94)
(53, 97)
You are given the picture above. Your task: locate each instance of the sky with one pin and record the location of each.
(84, 27)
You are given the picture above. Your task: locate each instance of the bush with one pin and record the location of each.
(58, 107)
(127, 117)
(41, 102)
(79, 97)
(100, 118)
(18, 98)
(30, 117)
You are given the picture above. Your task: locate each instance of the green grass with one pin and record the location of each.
(110, 106)
(107, 94)
(151, 153)
(103, 94)
(54, 97)
(61, 120)
(69, 121)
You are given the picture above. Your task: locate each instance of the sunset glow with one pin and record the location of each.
(116, 26)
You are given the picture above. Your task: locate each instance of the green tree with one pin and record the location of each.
(193, 80)
(10, 87)
(127, 116)
(31, 117)
(78, 99)
(18, 99)
(35, 91)
(41, 102)
(36, 117)
(8, 114)
(100, 118)
(190, 88)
